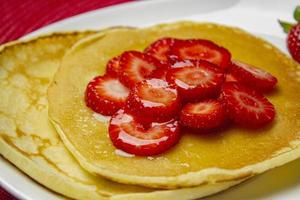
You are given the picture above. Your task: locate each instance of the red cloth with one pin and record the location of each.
(20, 17)
(24, 16)
(5, 195)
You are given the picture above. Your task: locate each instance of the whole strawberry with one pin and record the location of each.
(293, 39)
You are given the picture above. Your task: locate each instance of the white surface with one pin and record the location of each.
(258, 17)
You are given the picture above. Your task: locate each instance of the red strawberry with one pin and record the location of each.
(136, 66)
(201, 50)
(293, 42)
(253, 77)
(230, 78)
(112, 66)
(293, 39)
(181, 63)
(160, 49)
(105, 95)
(204, 115)
(130, 136)
(153, 100)
(198, 81)
(246, 106)
(160, 74)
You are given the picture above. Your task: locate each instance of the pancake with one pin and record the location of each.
(197, 158)
(28, 140)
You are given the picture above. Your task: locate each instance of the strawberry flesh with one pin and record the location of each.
(229, 77)
(105, 95)
(198, 81)
(112, 66)
(247, 107)
(253, 77)
(154, 100)
(136, 66)
(132, 137)
(181, 63)
(160, 74)
(197, 49)
(206, 114)
(160, 49)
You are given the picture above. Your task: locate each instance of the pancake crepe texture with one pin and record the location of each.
(197, 159)
(28, 140)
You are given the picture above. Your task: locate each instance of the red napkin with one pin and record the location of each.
(20, 17)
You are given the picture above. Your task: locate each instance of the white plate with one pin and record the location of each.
(257, 17)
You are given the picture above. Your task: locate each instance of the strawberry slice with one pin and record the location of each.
(200, 80)
(160, 49)
(105, 95)
(154, 100)
(229, 77)
(206, 114)
(253, 77)
(247, 107)
(196, 49)
(136, 66)
(130, 136)
(160, 74)
(181, 63)
(112, 66)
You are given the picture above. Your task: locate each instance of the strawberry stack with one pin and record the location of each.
(177, 84)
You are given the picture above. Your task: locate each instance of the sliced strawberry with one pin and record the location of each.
(253, 77)
(181, 63)
(154, 100)
(105, 95)
(130, 136)
(160, 74)
(201, 50)
(230, 78)
(204, 115)
(247, 107)
(160, 49)
(112, 66)
(199, 81)
(136, 66)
